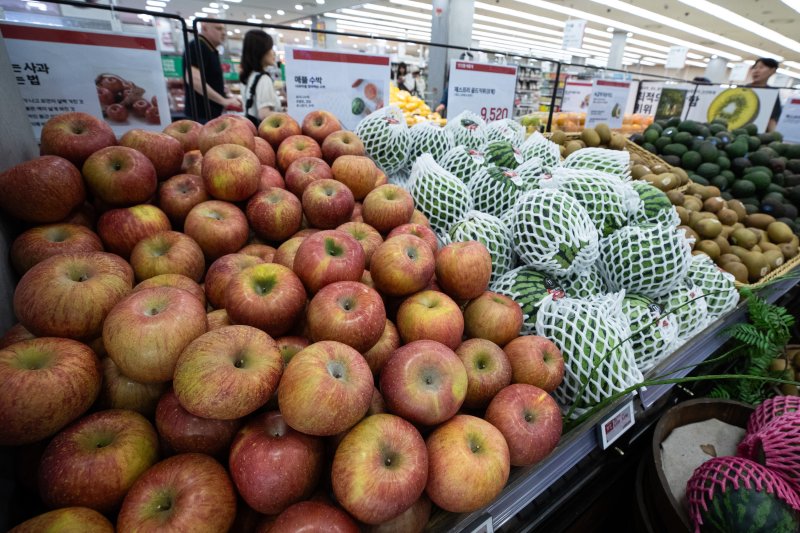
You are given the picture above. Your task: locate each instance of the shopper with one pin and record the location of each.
(415, 84)
(258, 90)
(760, 73)
(211, 35)
(400, 76)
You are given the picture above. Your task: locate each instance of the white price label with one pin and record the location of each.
(483, 88)
(576, 96)
(607, 103)
(616, 424)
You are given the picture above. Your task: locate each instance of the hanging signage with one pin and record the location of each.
(737, 105)
(349, 85)
(576, 96)
(483, 88)
(102, 74)
(676, 58)
(573, 34)
(607, 103)
(789, 123)
(739, 72)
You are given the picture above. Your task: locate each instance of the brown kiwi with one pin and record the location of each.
(709, 191)
(744, 238)
(757, 266)
(667, 181)
(708, 228)
(590, 137)
(727, 216)
(676, 197)
(779, 365)
(690, 233)
(759, 220)
(779, 232)
(767, 246)
(694, 188)
(563, 150)
(696, 217)
(682, 175)
(714, 204)
(756, 248)
(795, 240)
(722, 242)
(684, 214)
(639, 171)
(738, 270)
(727, 258)
(738, 251)
(558, 137)
(604, 132)
(774, 258)
(617, 142)
(572, 146)
(710, 248)
(693, 204)
(659, 169)
(789, 250)
(738, 207)
(726, 231)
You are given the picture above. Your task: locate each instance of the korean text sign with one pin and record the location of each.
(789, 123)
(485, 89)
(607, 103)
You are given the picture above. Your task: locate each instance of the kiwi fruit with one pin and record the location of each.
(617, 142)
(722, 242)
(692, 203)
(708, 228)
(604, 132)
(667, 181)
(738, 270)
(714, 204)
(682, 175)
(774, 258)
(789, 250)
(759, 220)
(756, 248)
(558, 137)
(709, 191)
(779, 364)
(690, 233)
(788, 389)
(639, 171)
(727, 258)
(710, 248)
(694, 188)
(738, 208)
(726, 231)
(676, 197)
(738, 251)
(572, 146)
(727, 216)
(697, 216)
(766, 245)
(684, 214)
(744, 238)
(779, 232)
(757, 266)
(591, 137)
(659, 169)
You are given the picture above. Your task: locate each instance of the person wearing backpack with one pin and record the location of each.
(257, 89)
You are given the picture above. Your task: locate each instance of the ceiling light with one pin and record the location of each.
(395, 11)
(630, 34)
(296, 40)
(307, 21)
(235, 1)
(267, 16)
(411, 3)
(355, 46)
(610, 29)
(280, 35)
(200, 14)
(794, 4)
(254, 20)
(401, 20)
(321, 2)
(144, 17)
(338, 41)
(280, 12)
(148, 8)
(237, 30)
(298, 7)
(213, 4)
(156, 3)
(230, 32)
(210, 10)
(225, 6)
(696, 64)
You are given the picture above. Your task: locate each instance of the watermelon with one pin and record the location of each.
(653, 335)
(495, 190)
(770, 409)
(463, 162)
(429, 138)
(536, 146)
(505, 130)
(386, 138)
(490, 231)
(585, 284)
(502, 153)
(528, 287)
(441, 196)
(655, 206)
(717, 285)
(469, 130)
(686, 305)
(614, 162)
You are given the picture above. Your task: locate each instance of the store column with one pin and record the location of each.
(716, 69)
(451, 23)
(617, 49)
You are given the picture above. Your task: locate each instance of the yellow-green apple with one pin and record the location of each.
(327, 203)
(220, 273)
(423, 232)
(179, 281)
(244, 120)
(402, 265)
(388, 454)
(146, 332)
(418, 217)
(187, 492)
(358, 172)
(264, 152)
(293, 148)
(274, 214)
(387, 207)
(494, 317)
(270, 177)
(318, 124)
(358, 213)
(66, 519)
(192, 162)
(286, 252)
(83, 215)
(231, 172)
(121, 392)
(267, 296)
(95, 461)
(75, 136)
(325, 389)
(380, 178)
(430, 315)
(218, 227)
(348, 312)
(14, 334)
(186, 132)
(228, 373)
(179, 194)
(183, 432)
(276, 127)
(42, 190)
(341, 143)
(218, 319)
(304, 171)
(289, 346)
(326, 257)
(272, 465)
(69, 295)
(167, 252)
(47, 383)
(412, 520)
(120, 176)
(488, 371)
(383, 349)
(468, 464)
(376, 404)
(264, 252)
(313, 516)
(424, 382)
(535, 361)
(367, 236)
(530, 421)
(121, 229)
(463, 269)
(225, 130)
(164, 151)
(39, 243)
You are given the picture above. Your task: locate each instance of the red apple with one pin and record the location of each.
(221, 272)
(187, 492)
(290, 346)
(325, 389)
(218, 227)
(530, 421)
(43, 190)
(164, 151)
(357, 172)
(120, 176)
(412, 520)
(75, 136)
(84, 215)
(383, 349)
(306, 231)
(121, 392)
(463, 269)
(380, 178)
(304, 171)
(80, 519)
(179, 194)
(327, 203)
(287, 251)
(121, 229)
(262, 251)
(47, 383)
(387, 207)
(274, 466)
(493, 317)
(535, 361)
(167, 252)
(468, 464)
(431, 315)
(423, 232)
(313, 516)
(264, 152)
(318, 124)
(366, 235)
(117, 113)
(376, 405)
(270, 177)
(418, 217)
(327, 257)
(244, 120)
(295, 147)
(182, 432)
(231, 172)
(94, 462)
(178, 281)
(14, 334)
(366, 279)
(69, 295)
(276, 127)
(192, 162)
(39, 243)
(424, 382)
(348, 312)
(146, 332)
(225, 130)
(186, 132)
(340, 143)
(266, 296)
(402, 265)
(274, 214)
(218, 319)
(488, 371)
(357, 215)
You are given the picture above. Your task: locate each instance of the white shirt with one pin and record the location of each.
(265, 95)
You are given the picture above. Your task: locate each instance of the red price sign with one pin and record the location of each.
(494, 113)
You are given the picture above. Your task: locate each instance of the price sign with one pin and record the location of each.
(576, 96)
(485, 89)
(573, 34)
(607, 103)
(616, 424)
(789, 123)
(647, 99)
(708, 97)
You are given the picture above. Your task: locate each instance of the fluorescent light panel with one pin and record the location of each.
(401, 12)
(388, 18)
(411, 3)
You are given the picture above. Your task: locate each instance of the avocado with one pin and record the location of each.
(672, 160)
(720, 182)
(753, 143)
(736, 149)
(661, 142)
(793, 165)
(724, 137)
(691, 160)
(689, 126)
(765, 170)
(708, 170)
(775, 188)
(651, 134)
(772, 207)
(779, 179)
(676, 149)
(709, 152)
(759, 158)
(760, 179)
(793, 151)
(789, 210)
(700, 180)
(672, 122)
(650, 147)
(779, 148)
(715, 128)
(683, 137)
(742, 188)
(739, 131)
(637, 138)
(778, 164)
(728, 175)
(670, 132)
(723, 162)
(752, 129)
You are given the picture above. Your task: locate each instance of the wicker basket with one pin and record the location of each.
(782, 270)
(648, 158)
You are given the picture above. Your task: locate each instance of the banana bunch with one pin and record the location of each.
(414, 108)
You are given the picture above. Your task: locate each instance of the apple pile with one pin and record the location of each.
(229, 327)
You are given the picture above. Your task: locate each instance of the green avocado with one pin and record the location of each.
(691, 160)
(675, 149)
(708, 170)
(709, 152)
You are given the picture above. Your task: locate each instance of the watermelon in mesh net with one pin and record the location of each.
(653, 335)
(654, 207)
(528, 287)
(502, 153)
(771, 409)
(717, 285)
(469, 130)
(441, 197)
(614, 162)
(686, 305)
(490, 231)
(463, 162)
(495, 190)
(386, 138)
(584, 284)
(505, 130)
(732, 494)
(776, 446)
(547, 151)
(429, 138)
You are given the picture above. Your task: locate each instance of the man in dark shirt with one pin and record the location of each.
(211, 35)
(760, 73)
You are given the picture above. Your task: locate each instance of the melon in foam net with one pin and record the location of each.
(386, 138)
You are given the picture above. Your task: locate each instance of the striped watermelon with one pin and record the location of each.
(527, 287)
(655, 206)
(502, 154)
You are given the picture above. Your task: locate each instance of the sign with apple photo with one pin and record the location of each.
(118, 78)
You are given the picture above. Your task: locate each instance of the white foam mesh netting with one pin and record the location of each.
(528, 287)
(469, 130)
(441, 196)
(686, 305)
(386, 138)
(490, 231)
(495, 190)
(463, 162)
(653, 334)
(615, 162)
(654, 208)
(547, 151)
(718, 286)
(429, 138)
(506, 130)
(586, 284)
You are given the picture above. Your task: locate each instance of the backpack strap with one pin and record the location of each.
(252, 96)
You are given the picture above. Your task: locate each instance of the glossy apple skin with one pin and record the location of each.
(530, 421)
(402, 265)
(178, 281)
(270, 177)
(304, 171)
(14, 334)
(348, 312)
(121, 392)
(276, 127)
(192, 162)
(418, 230)
(69, 295)
(179, 194)
(488, 371)
(313, 516)
(218, 227)
(430, 315)
(85, 215)
(535, 361)
(167, 252)
(264, 252)
(121, 229)
(272, 465)
(225, 130)
(463, 269)
(325, 389)
(42, 190)
(389, 455)
(286, 252)
(75, 136)
(326, 257)
(221, 271)
(183, 432)
(228, 373)
(274, 214)
(327, 203)
(218, 319)
(383, 349)
(387, 207)
(120, 176)
(295, 147)
(186, 132)
(41, 242)
(164, 151)
(264, 152)
(494, 317)
(412, 520)
(187, 492)
(146, 332)
(95, 461)
(357, 172)
(290, 346)
(318, 124)
(341, 143)
(67, 519)
(367, 236)
(231, 172)
(468, 464)
(64, 373)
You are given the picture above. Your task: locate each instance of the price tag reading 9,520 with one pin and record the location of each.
(494, 113)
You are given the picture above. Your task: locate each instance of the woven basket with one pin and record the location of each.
(782, 270)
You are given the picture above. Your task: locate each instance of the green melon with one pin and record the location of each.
(502, 153)
(441, 196)
(528, 287)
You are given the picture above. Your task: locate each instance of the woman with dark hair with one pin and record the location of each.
(257, 89)
(402, 72)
